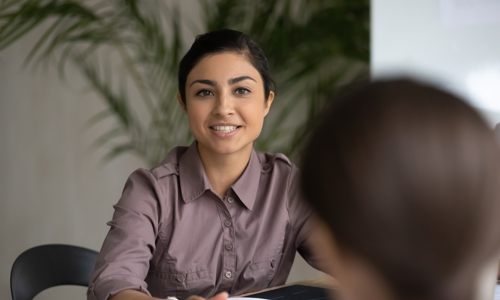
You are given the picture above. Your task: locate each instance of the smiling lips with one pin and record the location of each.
(225, 131)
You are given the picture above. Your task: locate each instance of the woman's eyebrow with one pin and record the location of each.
(230, 81)
(205, 81)
(238, 79)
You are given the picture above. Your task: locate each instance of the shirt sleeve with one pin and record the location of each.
(123, 262)
(302, 220)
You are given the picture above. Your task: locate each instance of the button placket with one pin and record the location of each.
(228, 253)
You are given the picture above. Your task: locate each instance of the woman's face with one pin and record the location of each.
(225, 103)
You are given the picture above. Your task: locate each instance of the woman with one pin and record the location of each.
(405, 178)
(216, 216)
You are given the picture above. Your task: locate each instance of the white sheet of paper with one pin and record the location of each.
(497, 292)
(237, 298)
(469, 12)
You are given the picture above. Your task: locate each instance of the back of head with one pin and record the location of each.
(407, 177)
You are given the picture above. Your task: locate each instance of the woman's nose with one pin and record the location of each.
(223, 106)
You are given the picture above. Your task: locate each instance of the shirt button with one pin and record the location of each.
(179, 277)
(273, 263)
(228, 274)
(229, 247)
(227, 223)
(265, 167)
(230, 200)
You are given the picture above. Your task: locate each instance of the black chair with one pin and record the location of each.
(42, 267)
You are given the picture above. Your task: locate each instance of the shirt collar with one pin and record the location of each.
(248, 184)
(194, 181)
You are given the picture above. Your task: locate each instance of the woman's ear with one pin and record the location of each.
(357, 277)
(181, 103)
(268, 103)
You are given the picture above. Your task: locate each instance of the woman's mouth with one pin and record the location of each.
(225, 129)
(225, 132)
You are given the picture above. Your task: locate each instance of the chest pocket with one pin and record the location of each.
(260, 272)
(180, 285)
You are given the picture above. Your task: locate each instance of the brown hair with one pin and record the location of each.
(407, 177)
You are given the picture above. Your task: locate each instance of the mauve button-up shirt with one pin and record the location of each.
(171, 235)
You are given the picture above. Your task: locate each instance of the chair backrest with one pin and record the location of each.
(42, 267)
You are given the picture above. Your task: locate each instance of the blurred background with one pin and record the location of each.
(87, 91)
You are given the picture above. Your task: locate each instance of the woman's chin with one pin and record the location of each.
(227, 147)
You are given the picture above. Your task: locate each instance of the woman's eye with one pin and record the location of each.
(242, 91)
(204, 93)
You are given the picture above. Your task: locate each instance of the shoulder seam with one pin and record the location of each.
(161, 203)
(284, 158)
(166, 168)
(288, 192)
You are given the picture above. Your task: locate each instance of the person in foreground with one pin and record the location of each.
(405, 180)
(216, 216)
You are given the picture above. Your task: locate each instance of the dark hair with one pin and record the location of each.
(220, 41)
(407, 177)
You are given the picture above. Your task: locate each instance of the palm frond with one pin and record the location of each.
(305, 41)
(313, 46)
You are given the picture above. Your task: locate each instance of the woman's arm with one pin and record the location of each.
(123, 261)
(303, 221)
(136, 295)
(132, 295)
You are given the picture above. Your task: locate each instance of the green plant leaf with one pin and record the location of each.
(314, 47)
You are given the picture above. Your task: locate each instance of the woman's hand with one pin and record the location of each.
(220, 296)
(136, 295)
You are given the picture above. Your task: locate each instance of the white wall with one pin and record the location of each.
(54, 189)
(411, 37)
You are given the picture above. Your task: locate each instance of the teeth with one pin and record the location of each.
(225, 129)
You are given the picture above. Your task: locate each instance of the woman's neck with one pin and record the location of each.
(223, 170)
